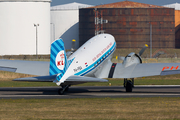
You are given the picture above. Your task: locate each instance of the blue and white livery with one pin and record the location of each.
(90, 63)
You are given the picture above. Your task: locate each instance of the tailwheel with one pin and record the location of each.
(64, 88)
(60, 91)
(129, 84)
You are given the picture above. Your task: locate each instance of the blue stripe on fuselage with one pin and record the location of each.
(100, 60)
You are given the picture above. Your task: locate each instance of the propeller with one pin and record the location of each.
(139, 54)
(143, 49)
(133, 58)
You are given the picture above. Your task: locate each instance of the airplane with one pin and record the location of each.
(90, 63)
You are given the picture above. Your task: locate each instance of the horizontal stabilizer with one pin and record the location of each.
(37, 79)
(73, 80)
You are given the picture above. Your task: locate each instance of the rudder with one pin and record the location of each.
(58, 59)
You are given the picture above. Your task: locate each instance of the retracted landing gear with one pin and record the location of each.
(63, 89)
(128, 84)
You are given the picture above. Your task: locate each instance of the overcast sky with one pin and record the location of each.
(98, 2)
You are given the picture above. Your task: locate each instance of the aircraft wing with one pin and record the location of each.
(39, 68)
(37, 79)
(146, 69)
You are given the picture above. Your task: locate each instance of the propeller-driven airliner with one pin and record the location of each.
(90, 63)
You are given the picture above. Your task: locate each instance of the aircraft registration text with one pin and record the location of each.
(170, 68)
(77, 69)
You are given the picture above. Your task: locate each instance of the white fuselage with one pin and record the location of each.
(92, 59)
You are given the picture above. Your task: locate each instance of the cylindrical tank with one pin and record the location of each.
(177, 28)
(65, 23)
(176, 6)
(131, 26)
(18, 22)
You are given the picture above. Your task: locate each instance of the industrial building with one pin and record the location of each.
(24, 27)
(131, 23)
(28, 27)
(176, 6)
(65, 22)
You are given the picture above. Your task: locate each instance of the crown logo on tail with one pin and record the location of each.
(60, 59)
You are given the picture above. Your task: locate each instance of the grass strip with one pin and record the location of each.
(91, 108)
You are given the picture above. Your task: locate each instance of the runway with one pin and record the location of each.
(89, 92)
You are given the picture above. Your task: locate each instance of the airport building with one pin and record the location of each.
(132, 24)
(65, 22)
(24, 27)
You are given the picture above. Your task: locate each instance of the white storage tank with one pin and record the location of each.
(176, 6)
(18, 22)
(65, 22)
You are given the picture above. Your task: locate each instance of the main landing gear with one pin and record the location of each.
(63, 89)
(129, 84)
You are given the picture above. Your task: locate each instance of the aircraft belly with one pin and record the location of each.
(103, 69)
(90, 74)
(119, 71)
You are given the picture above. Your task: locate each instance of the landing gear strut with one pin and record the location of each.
(63, 89)
(128, 84)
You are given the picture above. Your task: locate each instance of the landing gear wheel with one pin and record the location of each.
(129, 84)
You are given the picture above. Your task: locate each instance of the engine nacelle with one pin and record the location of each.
(131, 58)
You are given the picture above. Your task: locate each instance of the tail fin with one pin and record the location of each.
(58, 59)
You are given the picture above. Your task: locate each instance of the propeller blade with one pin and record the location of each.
(73, 45)
(143, 49)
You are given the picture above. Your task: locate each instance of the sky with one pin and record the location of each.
(99, 2)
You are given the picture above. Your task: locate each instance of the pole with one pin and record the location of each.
(36, 25)
(150, 40)
(53, 31)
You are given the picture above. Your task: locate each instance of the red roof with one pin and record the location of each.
(127, 4)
